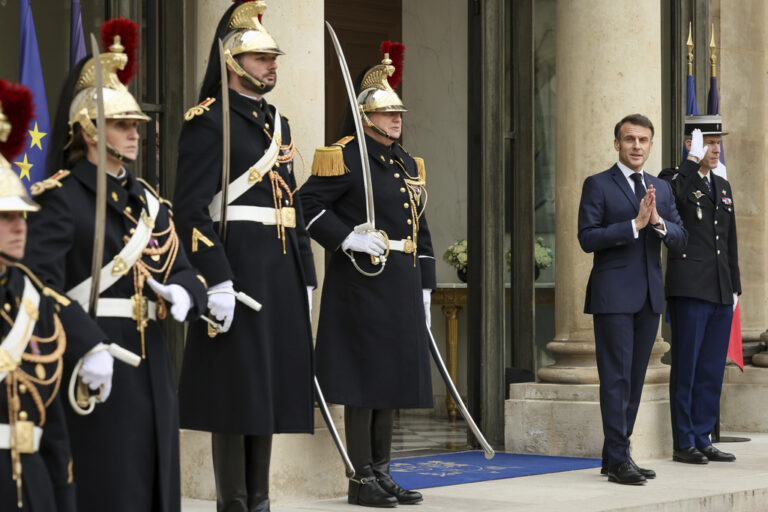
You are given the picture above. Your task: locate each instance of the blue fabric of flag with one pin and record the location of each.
(76, 37)
(30, 164)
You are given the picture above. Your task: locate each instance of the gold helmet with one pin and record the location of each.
(15, 112)
(117, 70)
(377, 92)
(245, 33)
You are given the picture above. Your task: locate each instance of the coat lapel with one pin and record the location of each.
(621, 182)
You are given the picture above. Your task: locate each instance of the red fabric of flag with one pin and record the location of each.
(735, 352)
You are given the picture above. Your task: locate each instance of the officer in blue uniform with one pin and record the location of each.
(702, 283)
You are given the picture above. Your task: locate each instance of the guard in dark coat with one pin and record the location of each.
(255, 379)
(702, 285)
(126, 452)
(35, 460)
(372, 342)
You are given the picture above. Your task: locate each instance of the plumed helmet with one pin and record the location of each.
(16, 110)
(377, 92)
(245, 33)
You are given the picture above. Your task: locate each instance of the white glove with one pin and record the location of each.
(426, 294)
(370, 243)
(309, 301)
(97, 370)
(698, 149)
(221, 302)
(176, 295)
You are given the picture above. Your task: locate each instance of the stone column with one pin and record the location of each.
(604, 73)
(744, 105)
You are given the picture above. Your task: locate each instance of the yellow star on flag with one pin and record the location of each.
(25, 166)
(37, 136)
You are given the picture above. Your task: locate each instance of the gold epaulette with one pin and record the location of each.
(420, 167)
(329, 160)
(49, 183)
(48, 292)
(199, 110)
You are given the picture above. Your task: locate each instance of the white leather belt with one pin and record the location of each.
(262, 214)
(124, 308)
(24, 444)
(406, 246)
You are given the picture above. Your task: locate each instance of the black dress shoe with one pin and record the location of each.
(367, 492)
(689, 455)
(647, 473)
(716, 455)
(624, 473)
(404, 497)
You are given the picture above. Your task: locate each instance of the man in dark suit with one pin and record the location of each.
(702, 283)
(624, 215)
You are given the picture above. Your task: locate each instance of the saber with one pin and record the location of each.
(225, 144)
(100, 217)
(489, 453)
(217, 328)
(349, 468)
(370, 219)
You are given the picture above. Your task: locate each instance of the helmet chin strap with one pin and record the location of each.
(238, 69)
(375, 127)
(88, 127)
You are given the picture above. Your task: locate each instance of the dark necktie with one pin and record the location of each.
(639, 187)
(709, 187)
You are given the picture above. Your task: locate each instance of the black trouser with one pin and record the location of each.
(241, 468)
(369, 439)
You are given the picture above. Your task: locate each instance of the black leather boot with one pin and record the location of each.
(363, 488)
(258, 452)
(229, 472)
(381, 452)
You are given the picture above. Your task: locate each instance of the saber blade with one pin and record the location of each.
(225, 148)
(100, 217)
(348, 467)
(489, 453)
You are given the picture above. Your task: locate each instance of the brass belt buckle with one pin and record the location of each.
(409, 247)
(135, 299)
(288, 216)
(25, 436)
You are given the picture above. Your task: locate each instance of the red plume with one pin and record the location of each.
(396, 53)
(129, 35)
(18, 107)
(246, 1)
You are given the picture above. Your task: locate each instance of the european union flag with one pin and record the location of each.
(31, 163)
(76, 40)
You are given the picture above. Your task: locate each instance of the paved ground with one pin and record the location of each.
(739, 486)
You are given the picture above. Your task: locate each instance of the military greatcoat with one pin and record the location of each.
(372, 343)
(46, 474)
(126, 453)
(256, 379)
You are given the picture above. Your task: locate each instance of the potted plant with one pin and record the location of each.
(542, 255)
(456, 256)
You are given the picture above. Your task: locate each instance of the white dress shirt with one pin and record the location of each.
(628, 175)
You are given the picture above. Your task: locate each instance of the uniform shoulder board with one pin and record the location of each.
(48, 292)
(49, 183)
(329, 160)
(199, 110)
(421, 168)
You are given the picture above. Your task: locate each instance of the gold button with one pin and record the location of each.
(286, 202)
(718, 251)
(114, 196)
(408, 238)
(397, 175)
(382, 158)
(405, 205)
(715, 222)
(391, 161)
(132, 230)
(402, 189)
(23, 416)
(717, 237)
(408, 221)
(22, 388)
(7, 307)
(684, 256)
(266, 125)
(128, 210)
(255, 114)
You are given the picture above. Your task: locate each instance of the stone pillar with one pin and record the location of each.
(603, 74)
(744, 105)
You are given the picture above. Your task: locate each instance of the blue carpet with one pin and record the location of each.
(466, 467)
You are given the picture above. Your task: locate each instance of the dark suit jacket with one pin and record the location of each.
(708, 268)
(621, 277)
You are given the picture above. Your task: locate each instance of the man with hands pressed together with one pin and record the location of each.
(624, 215)
(701, 285)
